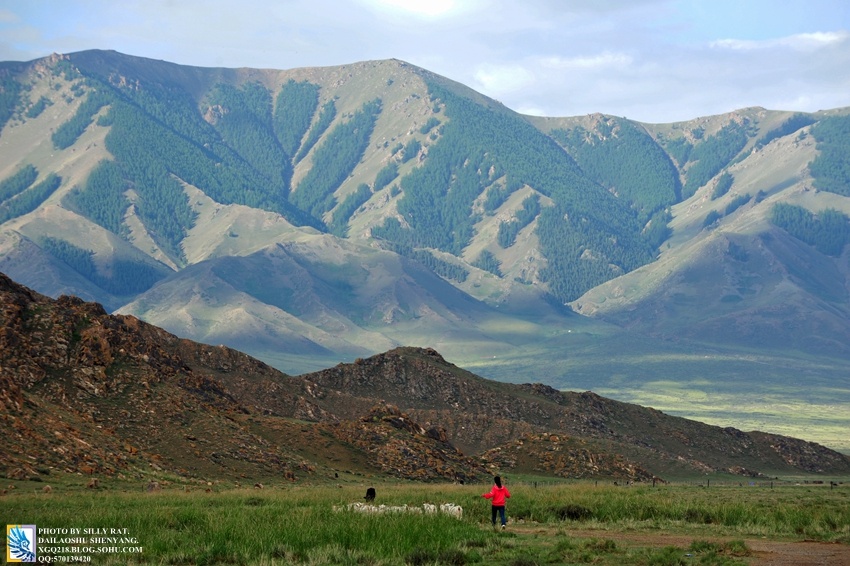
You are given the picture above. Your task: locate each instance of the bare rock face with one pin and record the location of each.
(84, 391)
(402, 448)
(91, 393)
(589, 433)
(563, 456)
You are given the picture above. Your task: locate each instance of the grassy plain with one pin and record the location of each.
(780, 392)
(551, 523)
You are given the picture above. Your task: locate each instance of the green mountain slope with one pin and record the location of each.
(313, 215)
(321, 299)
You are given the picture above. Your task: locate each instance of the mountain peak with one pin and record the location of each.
(316, 214)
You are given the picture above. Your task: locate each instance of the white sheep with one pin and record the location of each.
(455, 511)
(427, 508)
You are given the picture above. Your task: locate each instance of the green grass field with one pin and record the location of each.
(300, 525)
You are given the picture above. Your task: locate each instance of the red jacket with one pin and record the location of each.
(498, 495)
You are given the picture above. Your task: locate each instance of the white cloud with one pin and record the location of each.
(799, 42)
(531, 110)
(650, 60)
(430, 9)
(497, 80)
(585, 63)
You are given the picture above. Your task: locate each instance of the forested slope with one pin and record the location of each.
(394, 191)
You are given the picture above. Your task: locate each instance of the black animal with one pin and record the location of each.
(370, 494)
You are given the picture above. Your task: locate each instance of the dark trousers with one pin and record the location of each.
(501, 510)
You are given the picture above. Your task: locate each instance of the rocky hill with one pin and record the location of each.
(88, 392)
(109, 395)
(481, 415)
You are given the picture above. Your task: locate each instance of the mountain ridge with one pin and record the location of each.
(663, 237)
(109, 395)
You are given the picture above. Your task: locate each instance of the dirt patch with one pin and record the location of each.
(765, 552)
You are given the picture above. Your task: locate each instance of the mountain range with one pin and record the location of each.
(317, 215)
(86, 392)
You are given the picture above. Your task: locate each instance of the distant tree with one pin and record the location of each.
(711, 218)
(246, 125)
(18, 182)
(326, 117)
(737, 203)
(488, 262)
(831, 168)
(294, 109)
(128, 278)
(30, 199)
(724, 183)
(429, 125)
(488, 153)
(334, 160)
(411, 150)
(385, 176)
(497, 194)
(529, 211)
(712, 155)
(38, 107)
(680, 150)
(76, 258)
(508, 231)
(68, 133)
(442, 268)
(789, 126)
(10, 96)
(345, 210)
(102, 198)
(827, 231)
(160, 131)
(621, 156)
(657, 230)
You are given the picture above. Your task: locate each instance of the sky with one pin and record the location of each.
(655, 61)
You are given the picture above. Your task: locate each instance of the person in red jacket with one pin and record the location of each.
(498, 494)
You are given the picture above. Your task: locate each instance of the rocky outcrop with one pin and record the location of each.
(402, 448)
(82, 391)
(482, 416)
(95, 394)
(86, 392)
(564, 456)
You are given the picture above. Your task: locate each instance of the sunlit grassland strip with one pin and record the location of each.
(800, 396)
(825, 421)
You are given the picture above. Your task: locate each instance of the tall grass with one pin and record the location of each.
(246, 527)
(814, 512)
(303, 525)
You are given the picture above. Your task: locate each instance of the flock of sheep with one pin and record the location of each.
(427, 508)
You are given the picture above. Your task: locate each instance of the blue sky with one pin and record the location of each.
(649, 60)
